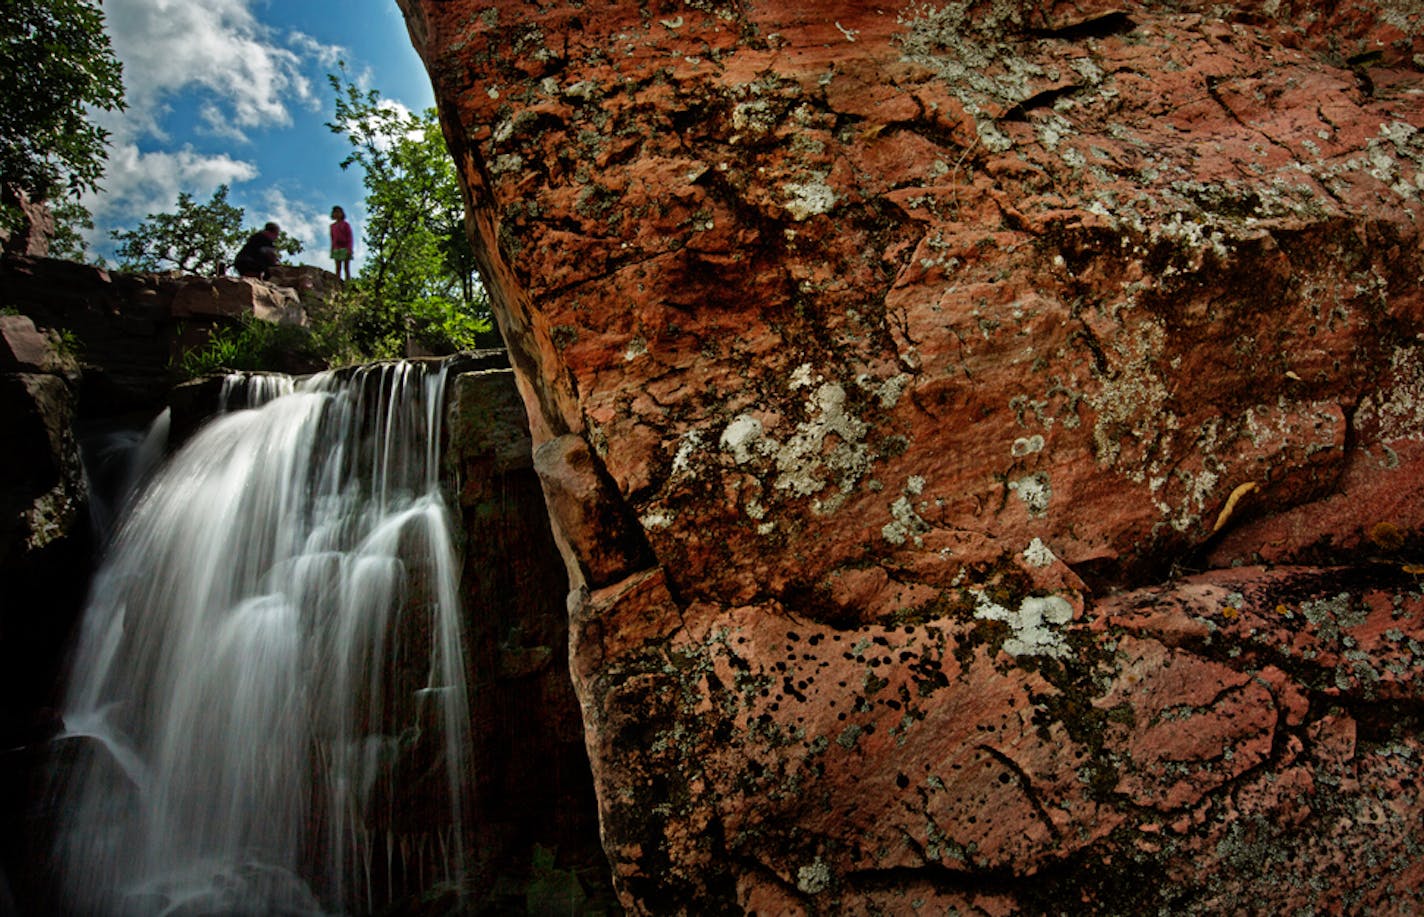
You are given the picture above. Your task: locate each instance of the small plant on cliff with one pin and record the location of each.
(252, 344)
(58, 66)
(66, 343)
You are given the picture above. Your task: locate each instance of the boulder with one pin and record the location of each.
(45, 544)
(23, 348)
(984, 438)
(34, 226)
(231, 297)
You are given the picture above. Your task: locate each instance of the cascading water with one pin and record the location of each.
(268, 709)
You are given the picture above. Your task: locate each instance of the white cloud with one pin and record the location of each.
(139, 183)
(247, 73)
(329, 56)
(399, 110)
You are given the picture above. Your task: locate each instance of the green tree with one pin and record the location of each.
(418, 281)
(71, 218)
(57, 64)
(193, 238)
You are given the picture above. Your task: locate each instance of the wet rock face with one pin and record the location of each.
(531, 787)
(923, 391)
(44, 531)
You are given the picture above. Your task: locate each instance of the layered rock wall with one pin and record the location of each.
(130, 330)
(984, 438)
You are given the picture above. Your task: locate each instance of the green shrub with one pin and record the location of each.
(352, 326)
(251, 344)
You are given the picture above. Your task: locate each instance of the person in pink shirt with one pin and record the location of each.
(342, 242)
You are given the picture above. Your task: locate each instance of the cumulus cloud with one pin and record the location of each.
(328, 56)
(138, 183)
(143, 182)
(248, 73)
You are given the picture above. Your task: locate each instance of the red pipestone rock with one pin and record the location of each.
(921, 392)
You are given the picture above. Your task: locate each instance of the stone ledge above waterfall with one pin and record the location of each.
(130, 328)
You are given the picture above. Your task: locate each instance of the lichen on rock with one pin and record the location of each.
(921, 353)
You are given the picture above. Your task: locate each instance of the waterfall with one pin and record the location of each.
(268, 708)
(115, 463)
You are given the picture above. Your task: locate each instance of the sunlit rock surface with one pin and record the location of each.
(130, 329)
(985, 438)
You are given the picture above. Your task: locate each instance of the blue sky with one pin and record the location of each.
(235, 92)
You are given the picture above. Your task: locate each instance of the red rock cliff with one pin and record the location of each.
(985, 438)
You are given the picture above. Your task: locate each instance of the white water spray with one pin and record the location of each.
(268, 708)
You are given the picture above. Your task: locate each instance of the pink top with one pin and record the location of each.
(341, 234)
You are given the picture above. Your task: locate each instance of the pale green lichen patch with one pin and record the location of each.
(1333, 615)
(803, 461)
(1034, 625)
(49, 518)
(805, 199)
(1395, 158)
(1398, 410)
(755, 116)
(744, 440)
(637, 347)
(823, 456)
(905, 523)
(1038, 554)
(1131, 400)
(689, 445)
(813, 878)
(965, 45)
(1035, 492)
(1027, 445)
(1195, 488)
(888, 391)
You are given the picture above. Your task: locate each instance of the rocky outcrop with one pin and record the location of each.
(44, 535)
(129, 330)
(984, 438)
(46, 558)
(33, 227)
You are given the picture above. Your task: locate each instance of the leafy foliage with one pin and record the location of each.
(70, 219)
(344, 330)
(418, 283)
(57, 63)
(191, 239)
(251, 344)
